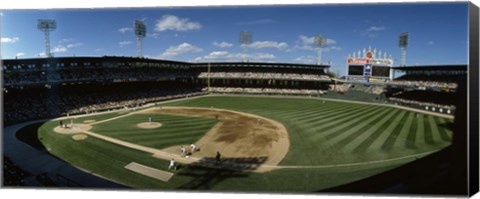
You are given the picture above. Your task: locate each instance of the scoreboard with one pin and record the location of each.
(370, 66)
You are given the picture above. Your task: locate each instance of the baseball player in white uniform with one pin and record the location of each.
(172, 165)
(193, 147)
(183, 151)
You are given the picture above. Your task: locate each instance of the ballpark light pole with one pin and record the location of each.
(320, 42)
(46, 26)
(403, 43)
(245, 40)
(140, 32)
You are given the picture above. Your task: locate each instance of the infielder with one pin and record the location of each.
(183, 151)
(172, 165)
(193, 147)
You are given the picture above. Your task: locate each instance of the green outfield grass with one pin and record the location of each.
(332, 143)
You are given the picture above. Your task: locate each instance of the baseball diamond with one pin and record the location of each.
(331, 143)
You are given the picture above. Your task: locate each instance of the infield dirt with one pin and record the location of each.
(236, 135)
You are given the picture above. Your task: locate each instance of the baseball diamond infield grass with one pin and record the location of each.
(331, 143)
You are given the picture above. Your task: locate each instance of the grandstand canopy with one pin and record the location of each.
(440, 71)
(432, 68)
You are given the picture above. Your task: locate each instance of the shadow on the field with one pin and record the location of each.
(206, 172)
(29, 135)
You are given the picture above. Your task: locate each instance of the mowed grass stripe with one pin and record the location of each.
(339, 137)
(394, 128)
(401, 125)
(350, 122)
(328, 122)
(442, 130)
(301, 115)
(382, 126)
(434, 127)
(181, 130)
(412, 133)
(173, 127)
(165, 133)
(428, 137)
(357, 128)
(316, 117)
(317, 134)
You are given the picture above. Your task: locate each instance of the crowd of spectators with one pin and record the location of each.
(13, 175)
(265, 75)
(423, 84)
(270, 91)
(372, 89)
(94, 74)
(32, 104)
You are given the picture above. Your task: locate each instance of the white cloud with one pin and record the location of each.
(306, 59)
(20, 54)
(183, 48)
(9, 40)
(331, 48)
(171, 22)
(227, 56)
(124, 43)
(153, 35)
(373, 31)
(262, 56)
(67, 40)
(125, 29)
(375, 28)
(74, 45)
(307, 43)
(59, 49)
(222, 44)
(269, 44)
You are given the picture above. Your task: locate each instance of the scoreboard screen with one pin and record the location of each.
(381, 71)
(355, 70)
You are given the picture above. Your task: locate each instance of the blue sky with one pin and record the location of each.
(438, 32)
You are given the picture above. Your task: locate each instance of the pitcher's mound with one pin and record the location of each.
(149, 125)
(80, 137)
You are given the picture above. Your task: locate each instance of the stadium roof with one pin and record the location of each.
(137, 59)
(433, 68)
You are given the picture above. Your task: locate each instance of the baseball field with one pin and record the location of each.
(267, 144)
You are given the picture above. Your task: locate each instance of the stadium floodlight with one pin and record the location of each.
(320, 42)
(140, 32)
(245, 40)
(403, 43)
(46, 26)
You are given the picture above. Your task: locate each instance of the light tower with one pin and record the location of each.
(245, 40)
(403, 42)
(46, 26)
(320, 42)
(140, 32)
